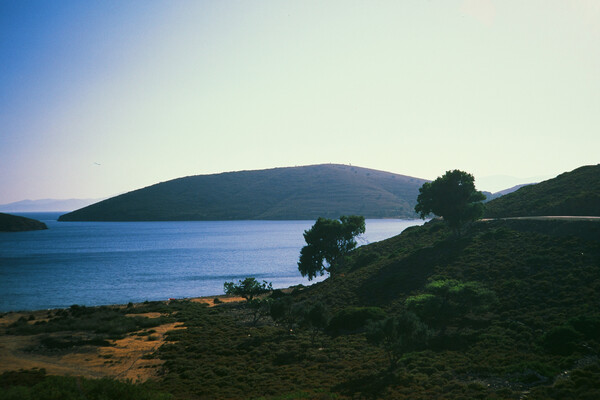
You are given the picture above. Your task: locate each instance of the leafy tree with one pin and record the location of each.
(327, 242)
(398, 335)
(449, 299)
(259, 308)
(316, 318)
(452, 196)
(249, 288)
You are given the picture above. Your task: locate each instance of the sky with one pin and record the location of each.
(98, 98)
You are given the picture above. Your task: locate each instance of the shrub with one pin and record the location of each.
(354, 318)
(561, 340)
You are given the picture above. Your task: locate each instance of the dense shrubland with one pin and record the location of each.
(507, 309)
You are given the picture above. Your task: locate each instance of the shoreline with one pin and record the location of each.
(200, 299)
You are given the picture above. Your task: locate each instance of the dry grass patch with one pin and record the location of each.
(127, 358)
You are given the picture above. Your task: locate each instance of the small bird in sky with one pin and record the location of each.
(97, 163)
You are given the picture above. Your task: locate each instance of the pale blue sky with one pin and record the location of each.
(155, 90)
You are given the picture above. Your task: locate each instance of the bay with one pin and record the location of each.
(95, 263)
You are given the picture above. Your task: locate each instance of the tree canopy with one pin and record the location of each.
(248, 288)
(327, 241)
(452, 196)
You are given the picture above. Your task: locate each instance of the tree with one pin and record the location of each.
(249, 288)
(327, 242)
(398, 335)
(448, 300)
(452, 196)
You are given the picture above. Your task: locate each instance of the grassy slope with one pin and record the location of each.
(572, 193)
(282, 193)
(541, 281)
(544, 274)
(13, 223)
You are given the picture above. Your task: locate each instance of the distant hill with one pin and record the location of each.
(571, 193)
(491, 196)
(13, 223)
(47, 205)
(308, 192)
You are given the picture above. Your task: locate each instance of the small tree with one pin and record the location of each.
(249, 288)
(259, 308)
(398, 335)
(327, 242)
(316, 318)
(452, 196)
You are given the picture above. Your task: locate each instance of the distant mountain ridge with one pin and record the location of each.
(307, 192)
(491, 196)
(47, 205)
(575, 193)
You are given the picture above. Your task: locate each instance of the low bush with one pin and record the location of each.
(353, 319)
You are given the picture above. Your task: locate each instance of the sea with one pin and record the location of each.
(97, 263)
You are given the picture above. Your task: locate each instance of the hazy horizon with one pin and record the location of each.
(101, 98)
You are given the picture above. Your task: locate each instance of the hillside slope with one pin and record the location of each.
(14, 223)
(571, 193)
(308, 192)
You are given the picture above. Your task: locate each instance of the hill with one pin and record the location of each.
(13, 223)
(308, 192)
(489, 196)
(571, 193)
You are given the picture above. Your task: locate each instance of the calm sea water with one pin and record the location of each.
(94, 263)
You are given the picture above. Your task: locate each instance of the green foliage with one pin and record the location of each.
(248, 288)
(561, 340)
(398, 335)
(286, 311)
(259, 308)
(448, 299)
(452, 196)
(354, 318)
(327, 242)
(571, 193)
(35, 384)
(583, 330)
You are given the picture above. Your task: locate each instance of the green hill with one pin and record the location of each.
(571, 193)
(14, 223)
(308, 192)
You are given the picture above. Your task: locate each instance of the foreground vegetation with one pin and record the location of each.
(508, 310)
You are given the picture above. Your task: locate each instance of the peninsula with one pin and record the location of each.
(14, 223)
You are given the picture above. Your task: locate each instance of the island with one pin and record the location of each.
(14, 223)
